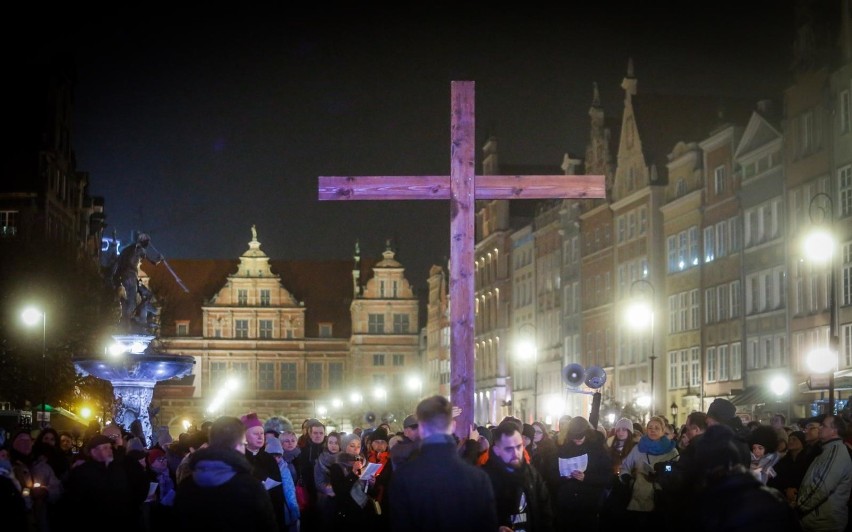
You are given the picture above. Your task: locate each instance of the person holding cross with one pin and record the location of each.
(437, 489)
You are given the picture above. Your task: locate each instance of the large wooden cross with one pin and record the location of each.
(462, 188)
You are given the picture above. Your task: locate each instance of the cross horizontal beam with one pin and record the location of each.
(486, 187)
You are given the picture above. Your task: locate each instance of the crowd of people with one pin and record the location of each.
(714, 473)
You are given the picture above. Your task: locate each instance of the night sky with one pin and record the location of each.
(193, 128)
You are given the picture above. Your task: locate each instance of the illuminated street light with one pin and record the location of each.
(639, 316)
(31, 316)
(819, 248)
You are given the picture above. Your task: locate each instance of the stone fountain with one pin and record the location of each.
(132, 364)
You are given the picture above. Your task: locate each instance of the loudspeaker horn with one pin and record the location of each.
(370, 417)
(573, 375)
(595, 377)
(388, 417)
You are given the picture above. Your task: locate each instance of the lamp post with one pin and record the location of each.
(674, 413)
(31, 316)
(819, 249)
(640, 314)
(527, 351)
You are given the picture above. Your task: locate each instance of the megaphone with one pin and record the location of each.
(573, 375)
(388, 417)
(595, 377)
(370, 418)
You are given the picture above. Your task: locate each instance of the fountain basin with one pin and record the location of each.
(135, 368)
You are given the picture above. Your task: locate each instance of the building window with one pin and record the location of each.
(398, 360)
(335, 375)
(846, 275)
(264, 298)
(265, 328)
(722, 355)
(736, 361)
(846, 345)
(182, 328)
(242, 297)
(719, 178)
(241, 328)
(218, 373)
(325, 330)
(376, 323)
(266, 376)
(288, 376)
(379, 359)
(400, 323)
(711, 364)
(844, 187)
(8, 224)
(709, 244)
(314, 376)
(845, 111)
(240, 370)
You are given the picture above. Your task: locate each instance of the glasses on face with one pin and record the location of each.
(538, 431)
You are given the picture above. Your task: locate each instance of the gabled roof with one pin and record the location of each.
(325, 288)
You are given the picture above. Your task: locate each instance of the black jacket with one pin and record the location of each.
(222, 494)
(510, 484)
(437, 490)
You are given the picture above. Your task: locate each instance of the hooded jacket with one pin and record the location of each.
(222, 494)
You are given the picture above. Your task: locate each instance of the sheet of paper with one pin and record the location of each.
(370, 470)
(269, 483)
(575, 463)
(152, 489)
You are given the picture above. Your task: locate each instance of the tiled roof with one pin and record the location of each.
(325, 287)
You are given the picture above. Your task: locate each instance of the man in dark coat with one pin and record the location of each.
(522, 498)
(104, 486)
(263, 464)
(221, 493)
(437, 490)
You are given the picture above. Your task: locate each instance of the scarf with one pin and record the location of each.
(655, 447)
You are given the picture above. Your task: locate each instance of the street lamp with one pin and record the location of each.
(31, 316)
(674, 413)
(640, 314)
(527, 353)
(819, 248)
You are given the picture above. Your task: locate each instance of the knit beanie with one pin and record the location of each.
(624, 423)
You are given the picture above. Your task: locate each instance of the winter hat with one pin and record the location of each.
(528, 431)
(624, 423)
(273, 446)
(250, 420)
(154, 453)
(410, 422)
(764, 435)
(577, 428)
(799, 435)
(346, 439)
(379, 434)
(722, 410)
(277, 425)
(97, 439)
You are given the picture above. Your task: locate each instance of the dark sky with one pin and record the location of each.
(195, 128)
